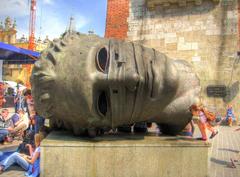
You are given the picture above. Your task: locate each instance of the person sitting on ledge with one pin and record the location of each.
(22, 124)
(188, 130)
(29, 163)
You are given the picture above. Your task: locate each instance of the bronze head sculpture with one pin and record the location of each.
(84, 82)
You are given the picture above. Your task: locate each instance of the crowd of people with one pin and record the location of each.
(30, 163)
(24, 118)
(23, 124)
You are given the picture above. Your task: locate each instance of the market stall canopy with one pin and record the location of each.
(16, 55)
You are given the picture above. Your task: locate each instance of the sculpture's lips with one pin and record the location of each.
(43, 76)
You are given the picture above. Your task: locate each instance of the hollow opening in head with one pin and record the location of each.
(102, 60)
(102, 103)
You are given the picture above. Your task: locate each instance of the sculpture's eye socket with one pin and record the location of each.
(102, 103)
(102, 60)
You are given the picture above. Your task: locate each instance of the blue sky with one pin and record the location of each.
(53, 16)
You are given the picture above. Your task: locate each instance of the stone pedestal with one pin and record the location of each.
(63, 155)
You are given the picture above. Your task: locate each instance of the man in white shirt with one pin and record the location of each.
(22, 124)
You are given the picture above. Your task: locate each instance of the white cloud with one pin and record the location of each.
(15, 8)
(53, 26)
(48, 1)
(52, 23)
(80, 22)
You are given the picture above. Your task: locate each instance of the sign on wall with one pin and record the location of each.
(216, 91)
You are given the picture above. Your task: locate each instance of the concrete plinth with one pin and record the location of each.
(63, 155)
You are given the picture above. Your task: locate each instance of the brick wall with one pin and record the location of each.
(116, 23)
(206, 35)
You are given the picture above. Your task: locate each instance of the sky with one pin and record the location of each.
(53, 16)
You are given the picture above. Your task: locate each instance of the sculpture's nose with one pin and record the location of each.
(131, 80)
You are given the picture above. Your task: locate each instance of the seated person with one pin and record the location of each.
(29, 163)
(15, 118)
(188, 130)
(22, 124)
(6, 125)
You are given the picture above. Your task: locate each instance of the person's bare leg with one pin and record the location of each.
(202, 129)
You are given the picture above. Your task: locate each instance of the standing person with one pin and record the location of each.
(19, 101)
(2, 91)
(230, 115)
(29, 163)
(202, 122)
(30, 107)
(6, 125)
(22, 124)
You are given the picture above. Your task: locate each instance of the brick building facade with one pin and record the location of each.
(116, 23)
(8, 34)
(203, 32)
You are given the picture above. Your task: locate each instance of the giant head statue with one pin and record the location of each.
(84, 82)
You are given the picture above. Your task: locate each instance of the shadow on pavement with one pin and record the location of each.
(220, 162)
(230, 150)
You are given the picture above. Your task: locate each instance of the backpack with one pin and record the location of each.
(209, 115)
(28, 139)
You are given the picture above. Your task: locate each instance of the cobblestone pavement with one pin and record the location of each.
(225, 145)
(13, 172)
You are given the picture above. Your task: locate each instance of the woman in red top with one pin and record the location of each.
(2, 99)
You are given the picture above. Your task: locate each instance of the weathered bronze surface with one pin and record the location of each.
(84, 82)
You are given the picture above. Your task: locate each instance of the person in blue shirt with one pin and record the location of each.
(29, 163)
(230, 115)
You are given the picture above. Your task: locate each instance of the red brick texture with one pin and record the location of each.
(116, 22)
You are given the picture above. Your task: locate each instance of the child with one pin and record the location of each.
(230, 115)
(200, 118)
